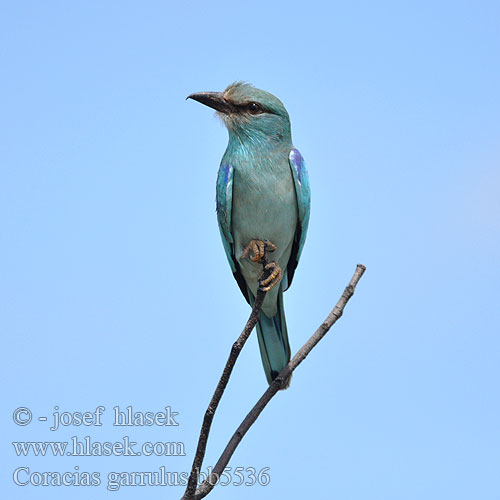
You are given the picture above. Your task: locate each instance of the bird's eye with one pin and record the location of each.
(254, 108)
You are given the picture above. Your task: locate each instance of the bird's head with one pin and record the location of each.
(249, 113)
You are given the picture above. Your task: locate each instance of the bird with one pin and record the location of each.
(263, 202)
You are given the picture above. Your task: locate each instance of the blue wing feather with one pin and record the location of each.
(303, 192)
(224, 200)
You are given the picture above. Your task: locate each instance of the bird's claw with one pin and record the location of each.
(258, 249)
(269, 246)
(274, 277)
(272, 270)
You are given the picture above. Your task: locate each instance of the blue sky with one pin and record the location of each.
(115, 290)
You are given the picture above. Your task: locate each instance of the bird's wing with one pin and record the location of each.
(224, 199)
(303, 192)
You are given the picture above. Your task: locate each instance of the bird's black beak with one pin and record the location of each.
(213, 99)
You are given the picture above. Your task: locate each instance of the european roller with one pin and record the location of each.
(263, 204)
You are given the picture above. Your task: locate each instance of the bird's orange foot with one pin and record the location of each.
(274, 277)
(258, 249)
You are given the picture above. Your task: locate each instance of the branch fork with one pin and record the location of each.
(193, 493)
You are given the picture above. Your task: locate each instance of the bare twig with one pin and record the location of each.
(221, 386)
(207, 486)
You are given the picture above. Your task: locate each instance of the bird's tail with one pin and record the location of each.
(273, 341)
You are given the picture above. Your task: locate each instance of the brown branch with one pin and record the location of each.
(219, 390)
(207, 486)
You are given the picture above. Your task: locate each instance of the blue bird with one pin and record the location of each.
(263, 205)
